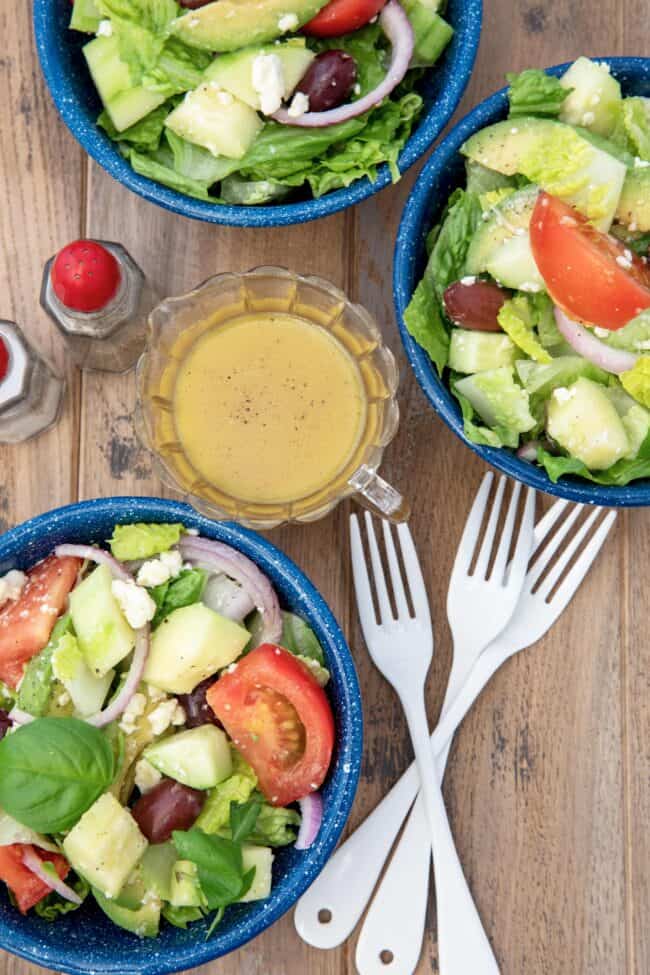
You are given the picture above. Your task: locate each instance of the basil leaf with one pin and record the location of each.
(51, 772)
(185, 590)
(298, 638)
(219, 863)
(243, 817)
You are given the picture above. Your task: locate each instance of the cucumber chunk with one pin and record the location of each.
(477, 351)
(595, 101)
(513, 265)
(199, 757)
(185, 887)
(191, 644)
(509, 218)
(85, 16)
(105, 845)
(156, 868)
(215, 119)
(125, 103)
(498, 399)
(103, 633)
(260, 857)
(69, 666)
(634, 204)
(635, 418)
(234, 72)
(584, 421)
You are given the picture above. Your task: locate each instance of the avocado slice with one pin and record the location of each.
(143, 921)
(634, 205)
(230, 24)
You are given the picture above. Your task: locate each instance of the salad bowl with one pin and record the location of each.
(87, 941)
(443, 173)
(71, 88)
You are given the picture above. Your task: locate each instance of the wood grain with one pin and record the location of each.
(549, 781)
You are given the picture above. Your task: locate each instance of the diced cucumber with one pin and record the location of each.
(595, 101)
(477, 351)
(185, 887)
(156, 868)
(498, 399)
(85, 16)
(143, 921)
(583, 420)
(507, 219)
(216, 120)
(125, 103)
(234, 72)
(191, 644)
(634, 204)
(513, 265)
(199, 757)
(260, 857)
(69, 666)
(103, 633)
(105, 845)
(557, 158)
(431, 33)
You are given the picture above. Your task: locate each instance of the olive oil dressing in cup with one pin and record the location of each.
(268, 397)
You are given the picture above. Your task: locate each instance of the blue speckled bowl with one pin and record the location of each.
(86, 942)
(74, 95)
(443, 173)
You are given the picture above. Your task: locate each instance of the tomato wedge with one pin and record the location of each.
(592, 276)
(27, 622)
(279, 718)
(340, 17)
(27, 888)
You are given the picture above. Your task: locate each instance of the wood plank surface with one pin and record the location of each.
(549, 781)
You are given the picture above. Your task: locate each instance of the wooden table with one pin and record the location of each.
(549, 783)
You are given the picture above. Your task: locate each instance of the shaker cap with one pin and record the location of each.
(85, 276)
(14, 378)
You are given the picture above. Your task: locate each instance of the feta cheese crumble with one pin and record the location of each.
(11, 585)
(135, 602)
(134, 709)
(563, 395)
(154, 572)
(165, 714)
(287, 22)
(146, 776)
(601, 333)
(268, 81)
(299, 105)
(468, 280)
(105, 29)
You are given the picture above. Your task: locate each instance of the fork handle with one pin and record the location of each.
(345, 885)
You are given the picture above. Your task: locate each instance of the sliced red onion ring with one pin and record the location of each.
(35, 864)
(227, 598)
(528, 451)
(133, 678)
(587, 345)
(218, 557)
(398, 30)
(94, 554)
(311, 810)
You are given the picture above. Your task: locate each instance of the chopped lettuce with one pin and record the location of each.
(275, 826)
(141, 541)
(144, 136)
(161, 170)
(425, 323)
(500, 401)
(636, 381)
(620, 474)
(447, 260)
(540, 379)
(180, 917)
(533, 92)
(53, 906)
(141, 28)
(238, 787)
(517, 319)
(633, 337)
(636, 122)
(300, 639)
(477, 433)
(36, 686)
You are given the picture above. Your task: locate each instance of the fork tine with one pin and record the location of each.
(516, 571)
(480, 572)
(414, 578)
(572, 582)
(544, 525)
(552, 547)
(395, 572)
(561, 563)
(473, 526)
(385, 612)
(506, 535)
(362, 581)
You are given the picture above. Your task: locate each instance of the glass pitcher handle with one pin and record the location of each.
(378, 495)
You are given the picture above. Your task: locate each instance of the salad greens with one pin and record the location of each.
(152, 58)
(140, 541)
(186, 589)
(496, 308)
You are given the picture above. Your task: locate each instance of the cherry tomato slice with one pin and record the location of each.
(475, 305)
(592, 276)
(342, 17)
(27, 622)
(280, 720)
(27, 888)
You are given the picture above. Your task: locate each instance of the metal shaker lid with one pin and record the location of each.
(14, 383)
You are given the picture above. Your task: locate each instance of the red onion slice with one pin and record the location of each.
(587, 345)
(227, 597)
(311, 810)
(398, 30)
(218, 557)
(54, 882)
(93, 554)
(528, 451)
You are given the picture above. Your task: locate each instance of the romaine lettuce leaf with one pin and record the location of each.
(141, 541)
(145, 135)
(636, 381)
(621, 473)
(36, 685)
(53, 906)
(299, 638)
(238, 787)
(447, 261)
(164, 172)
(633, 337)
(517, 319)
(425, 323)
(478, 433)
(275, 826)
(533, 92)
(636, 121)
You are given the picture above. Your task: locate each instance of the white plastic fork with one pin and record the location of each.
(396, 918)
(402, 648)
(330, 910)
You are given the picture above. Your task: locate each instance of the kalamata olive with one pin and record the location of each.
(5, 723)
(197, 710)
(193, 4)
(475, 304)
(329, 80)
(167, 807)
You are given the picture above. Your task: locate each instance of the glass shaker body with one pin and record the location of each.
(30, 391)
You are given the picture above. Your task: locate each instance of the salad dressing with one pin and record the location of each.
(269, 407)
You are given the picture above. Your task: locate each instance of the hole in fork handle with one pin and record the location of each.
(324, 915)
(386, 957)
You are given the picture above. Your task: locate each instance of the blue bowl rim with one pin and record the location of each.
(350, 740)
(455, 77)
(407, 260)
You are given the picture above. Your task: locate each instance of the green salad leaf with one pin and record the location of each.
(533, 92)
(299, 638)
(142, 541)
(636, 381)
(633, 337)
(51, 772)
(447, 260)
(275, 826)
(180, 917)
(53, 906)
(36, 686)
(237, 788)
(618, 475)
(185, 590)
(517, 320)
(425, 323)
(145, 135)
(221, 872)
(636, 122)
(243, 817)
